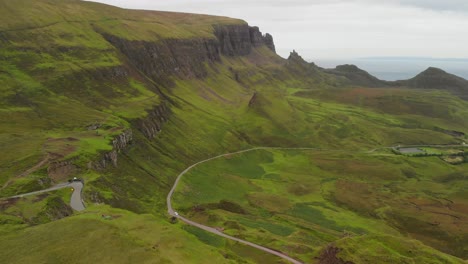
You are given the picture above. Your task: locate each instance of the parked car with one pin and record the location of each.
(75, 179)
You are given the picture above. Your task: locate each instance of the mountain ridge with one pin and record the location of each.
(431, 78)
(127, 99)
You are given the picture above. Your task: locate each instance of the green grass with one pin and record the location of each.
(88, 237)
(58, 75)
(325, 197)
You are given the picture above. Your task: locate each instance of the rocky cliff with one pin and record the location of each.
(152, 124)
(119, 143)
(238, 40)
(186, 58)
(182, 58)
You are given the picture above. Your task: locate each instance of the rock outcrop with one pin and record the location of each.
(183, 58)
(253, 99)
(298, 65)
(186, 58)
(258, 39)
(152, 124)
(119, 143)
(238, 40)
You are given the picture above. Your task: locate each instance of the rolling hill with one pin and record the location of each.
(127, 99)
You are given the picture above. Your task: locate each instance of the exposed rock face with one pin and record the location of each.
(234, 40)
(183, 58)
(186, 58)
(114, 72)
(299, 66)
(238, 40)
(257, 39)
(253, 99)
(119, 143)
(295, 57)
(152, 124)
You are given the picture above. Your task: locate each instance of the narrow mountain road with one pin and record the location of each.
(76, 202)
(173, 213)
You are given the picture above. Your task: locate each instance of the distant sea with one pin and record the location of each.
(396, 68)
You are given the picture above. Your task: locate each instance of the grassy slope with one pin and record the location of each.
(125, 237)
(56, 78)
(297, 202)
(53, 59)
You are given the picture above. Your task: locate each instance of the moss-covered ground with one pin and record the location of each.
(59, 76)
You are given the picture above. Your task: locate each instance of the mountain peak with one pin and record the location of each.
(433, 70)
(294, 56)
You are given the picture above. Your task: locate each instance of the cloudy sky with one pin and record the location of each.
(340, 29)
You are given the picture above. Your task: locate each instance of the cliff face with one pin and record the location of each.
(257, 39)
(186, 58)
(173, 57)
(119, 143)
(238, 40)
(152, 124)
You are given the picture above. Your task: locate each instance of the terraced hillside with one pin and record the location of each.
(126, 100)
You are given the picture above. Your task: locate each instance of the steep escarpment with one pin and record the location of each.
(258, 39)
(181, 58)
(152, 124)
(119, 144)
(187, 58)
(238, 40)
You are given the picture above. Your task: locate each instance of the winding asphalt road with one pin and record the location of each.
(173, 213)
(76, 201)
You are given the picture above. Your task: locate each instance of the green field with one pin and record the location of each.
(300, 201)
(75, 76)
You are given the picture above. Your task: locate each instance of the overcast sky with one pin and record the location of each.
(340, 29)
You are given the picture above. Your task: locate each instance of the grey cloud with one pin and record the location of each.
(342, 28)
(438, 5)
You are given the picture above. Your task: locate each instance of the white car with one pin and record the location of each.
(176, 213)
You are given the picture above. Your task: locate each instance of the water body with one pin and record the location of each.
(392, 69)
(411, 150)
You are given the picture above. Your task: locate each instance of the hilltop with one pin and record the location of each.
(434, 78)
(431, 78)
(127, 99)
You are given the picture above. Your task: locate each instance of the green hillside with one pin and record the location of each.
(127, 99)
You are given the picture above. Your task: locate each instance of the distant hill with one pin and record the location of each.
(432, 78)
(357, 76)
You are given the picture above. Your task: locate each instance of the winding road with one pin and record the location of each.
(173, 213)
(76, 202)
